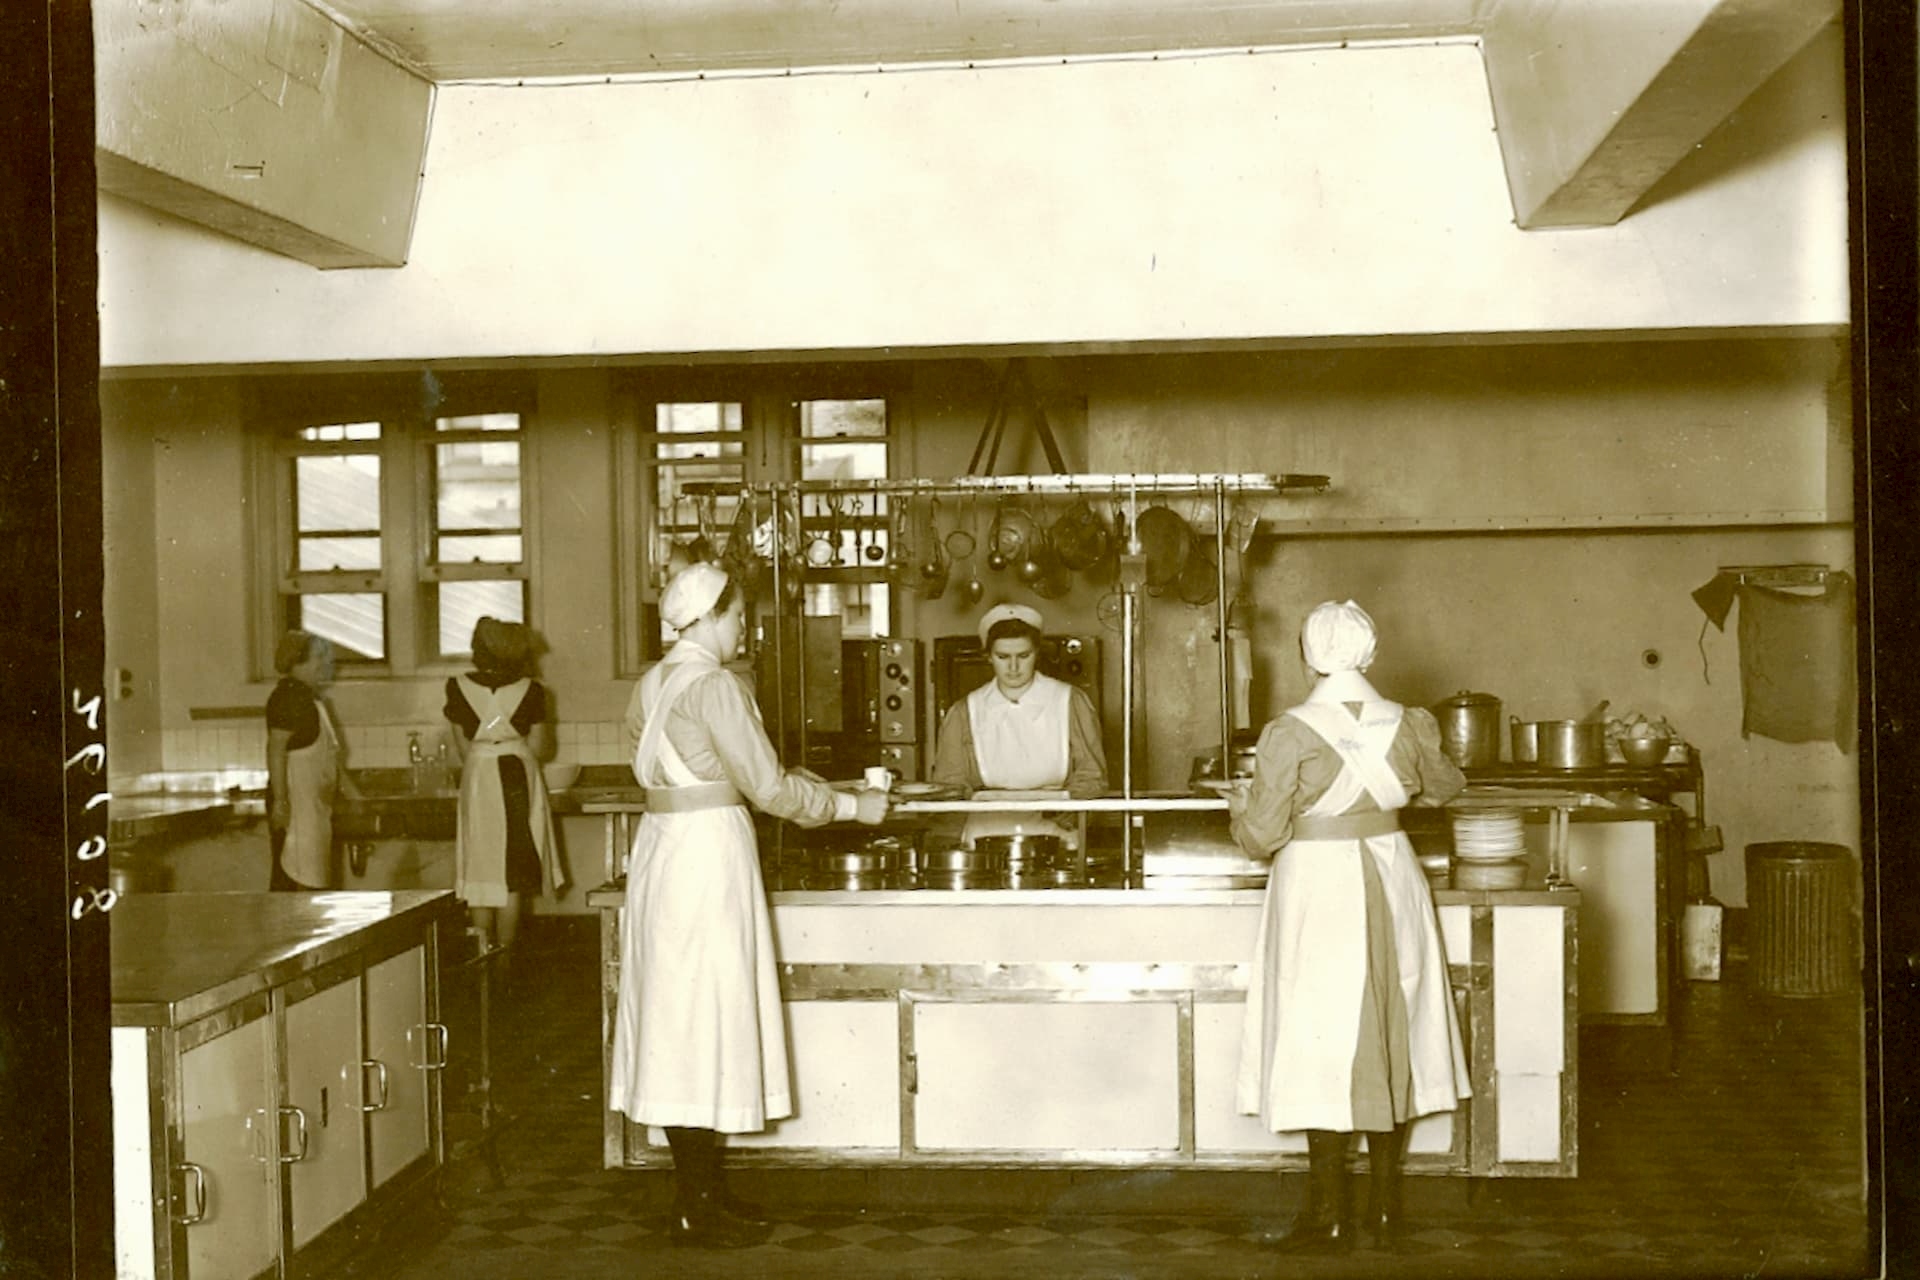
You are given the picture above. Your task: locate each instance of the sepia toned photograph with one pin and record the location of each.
(1019, 638)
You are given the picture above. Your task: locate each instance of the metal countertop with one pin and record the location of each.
(180, 956)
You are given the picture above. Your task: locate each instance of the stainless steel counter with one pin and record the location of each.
(181, 956)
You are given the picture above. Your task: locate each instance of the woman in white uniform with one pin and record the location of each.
(1021, 730)
(1350, 1026)
(699, 1039)
(504, 850)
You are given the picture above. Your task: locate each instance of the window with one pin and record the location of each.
(397, 532)
(476, 562)
(688, 453)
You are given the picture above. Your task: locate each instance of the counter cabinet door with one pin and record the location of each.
(401, 1048)
(1043, 1076)
(323, 1128)
(225, 1180)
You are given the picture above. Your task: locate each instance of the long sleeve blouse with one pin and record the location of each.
(956, 764)
(1293, 767)
(715, 726)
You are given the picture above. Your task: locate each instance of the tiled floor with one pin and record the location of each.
(1748, 1163)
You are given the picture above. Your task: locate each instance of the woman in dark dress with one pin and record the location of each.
(504, 849)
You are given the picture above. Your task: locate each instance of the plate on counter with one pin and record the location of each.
(927, 791)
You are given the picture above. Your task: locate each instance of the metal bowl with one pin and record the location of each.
(1022, 850)
(1645, 752)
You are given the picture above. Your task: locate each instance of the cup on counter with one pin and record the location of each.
(880, 778)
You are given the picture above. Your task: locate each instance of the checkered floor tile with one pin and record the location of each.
(1746, 1161)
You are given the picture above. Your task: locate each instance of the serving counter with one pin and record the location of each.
(1101, 1027)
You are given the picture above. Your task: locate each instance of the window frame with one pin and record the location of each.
(770, 454)
(408, 577)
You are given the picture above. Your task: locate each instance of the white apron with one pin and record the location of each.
(313, 779)
(1020, 746)
(699, 1035)
(1304, 993)
(480, 836)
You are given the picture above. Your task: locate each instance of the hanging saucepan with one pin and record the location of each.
(1054, 579)
(1199, 580)
(1012, 536)
(1080, 536)
(1038, 560)
(1165, 541)
(960, 546)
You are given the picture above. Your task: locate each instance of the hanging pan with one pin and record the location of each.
(1199, 580)
(1165, 541)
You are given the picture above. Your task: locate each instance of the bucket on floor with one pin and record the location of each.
(1800, 917)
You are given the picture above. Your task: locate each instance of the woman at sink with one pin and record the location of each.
(305, 768)
(504, 850)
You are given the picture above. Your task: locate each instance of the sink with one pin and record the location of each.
(389, 808)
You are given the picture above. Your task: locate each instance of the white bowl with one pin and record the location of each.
(559, 775)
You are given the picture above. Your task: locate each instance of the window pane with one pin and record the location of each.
(843, 461)
(843, 418)
(355, 622)
(478, 485)
(698, 449)
(864, 607)
(684, 418)
(464, 603)
(479, 422)
(336, 492)
(343, 431)
(338, 553)
(497, 549)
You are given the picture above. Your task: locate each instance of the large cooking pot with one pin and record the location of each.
(1571, 744)
(1470, 729)
(1526, 741)
(1025, 851)
(1241, 755)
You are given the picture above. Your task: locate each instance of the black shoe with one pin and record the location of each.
(745, 1210)
(1325, 1225)
(1317, 1234)
(706, 1225)
(1386, 1215)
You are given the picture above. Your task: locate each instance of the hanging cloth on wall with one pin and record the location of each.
(1796, 662)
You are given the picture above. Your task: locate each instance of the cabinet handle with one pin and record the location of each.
(380, 1067)
(256, 1133)
(912, 1068)
(434, 1051)
(198, 1196)
(301, 1117)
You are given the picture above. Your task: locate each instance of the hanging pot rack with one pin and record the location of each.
(1219, 485)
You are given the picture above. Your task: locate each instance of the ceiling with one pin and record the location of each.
(451, 40)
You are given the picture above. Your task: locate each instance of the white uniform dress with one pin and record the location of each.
(480, 839)
(1310, 967)
(699, 1038)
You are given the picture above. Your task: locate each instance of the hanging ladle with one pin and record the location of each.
(961, 544)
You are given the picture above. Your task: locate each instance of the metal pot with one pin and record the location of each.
(1470, 729)
(1024, 851)
(1526, 741)
(1571, 744)
(1240, 759)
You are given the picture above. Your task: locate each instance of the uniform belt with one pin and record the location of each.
(691, 799)
(1345, 826)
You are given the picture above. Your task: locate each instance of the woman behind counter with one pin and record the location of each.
(504, 850)
(306, 769)
(699, 1038)
(1349, 1025)
(1021, 730)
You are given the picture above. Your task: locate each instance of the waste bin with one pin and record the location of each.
(1800, 917)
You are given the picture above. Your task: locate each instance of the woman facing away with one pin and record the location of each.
(1350, 1025)
(504, 850)
(700, 1038)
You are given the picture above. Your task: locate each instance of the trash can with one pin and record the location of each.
(1800, 917)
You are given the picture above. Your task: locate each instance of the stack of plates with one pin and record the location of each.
(1489, 846)
(1489, 835)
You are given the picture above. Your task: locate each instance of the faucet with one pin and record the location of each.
(417, 760)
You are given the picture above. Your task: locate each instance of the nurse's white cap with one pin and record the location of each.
(1337, 637)
(1002, 612)
(692, 592)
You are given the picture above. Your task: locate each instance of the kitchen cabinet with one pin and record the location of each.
(1101, 1027)
(276, 1062)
